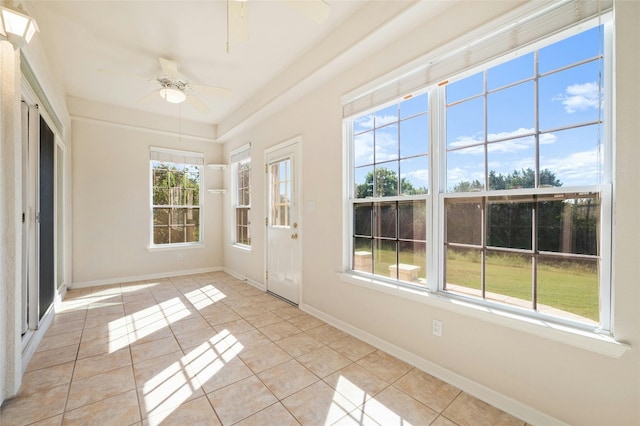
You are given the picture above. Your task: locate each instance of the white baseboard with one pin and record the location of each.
(256, 284)
(118, 280)
(498, 400)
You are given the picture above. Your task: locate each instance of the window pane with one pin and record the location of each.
(385, 253)
(573, 156)
(362, 217)
(386, 184)
(505, 157)
(587, 44)
(386, 216)
(413, 106)
(363, 123)
(386, 143)
(363, 181)
(462, 89)
(160, 217)
(465, 123)
(463, 271)
(508, 279)
(569, 286)
(413, 260)
(386, 115)
(161, 196)
(465, 169)
(363, 255)
(363, 149)
(414, 136)
(412, 220)
(571, 97)
(463, 220)
(510, 112)
(509, 222)
(414, 176)
(569, 223)
(510, 72)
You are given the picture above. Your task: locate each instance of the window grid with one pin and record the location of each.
(175, 203)
(491, 194)
(242, 174)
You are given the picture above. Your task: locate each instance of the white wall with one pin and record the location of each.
(562, 381)
(111, 205)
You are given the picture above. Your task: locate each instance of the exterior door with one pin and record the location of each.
(283, 226)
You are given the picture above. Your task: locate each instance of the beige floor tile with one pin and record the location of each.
(352, 348)
(149, 333)
(384, 366)
(275, 414)
(326, 334)
(359, 418)
(170, 391)
(392, 406)
(101, 346)
(99, 364)
(221, 316)
(121, 409)
(96, 388)
(299, 344)
(195, 412)
(306, 322)
(189, 324)
(71, 316)
(64, 327)
(263, 319)
(318, 404)
(147, 369)
(280, 330)
(217, 374)
(105, 331)
(241, 399)
(251, 311)
(51, 421)
(288, 312)
(52, 357)
(60, 340)
(443, 421)
(432, 392)
(287, 378)
(46, 378)
(356, 384)
(467, 410)
(323, 361)
(264, 357)
(154, 348)
(23, 410)
(235, 327)
(194, 338)
(252, 339)
(104, 319)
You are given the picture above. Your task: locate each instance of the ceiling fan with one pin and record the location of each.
(175, 89)
(237, 16)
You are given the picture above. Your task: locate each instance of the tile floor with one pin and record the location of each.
(209, 349)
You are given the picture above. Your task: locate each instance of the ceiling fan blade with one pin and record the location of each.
(210, 90)
(153, 96)
(317, 10)
(237, 20)
(169, 68)
(197, 104)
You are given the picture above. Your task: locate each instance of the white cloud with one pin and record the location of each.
(513, 144)
(578, 168)
(580, 97)
(417, 177)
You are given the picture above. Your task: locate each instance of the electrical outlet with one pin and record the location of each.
(180, 256)
(436, 327)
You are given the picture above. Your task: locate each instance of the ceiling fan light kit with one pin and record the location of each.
(175, 96)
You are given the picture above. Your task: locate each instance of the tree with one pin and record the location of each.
(524, 178)
(386, 185)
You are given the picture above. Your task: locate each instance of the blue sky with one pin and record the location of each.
(567, 98)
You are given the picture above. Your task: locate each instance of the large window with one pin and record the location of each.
(176, 196)
(502, 187)
(241, 175)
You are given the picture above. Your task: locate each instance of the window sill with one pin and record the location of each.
(171, 247)
(241, 247)
(583, 339)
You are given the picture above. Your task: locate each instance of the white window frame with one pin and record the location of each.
(599, 339)
(238, 156)
(176, 157)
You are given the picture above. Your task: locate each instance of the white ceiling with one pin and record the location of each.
(83, 39)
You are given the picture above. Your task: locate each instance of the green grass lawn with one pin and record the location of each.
(571, 286)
